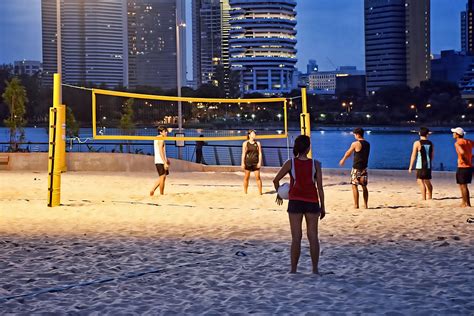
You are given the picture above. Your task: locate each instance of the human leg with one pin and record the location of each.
(466, 201)
(355, 193)
(162, 184)
(259, 181)
(155, 186)
(246, 180)
(422, 186)
(366, 196)
(429, 189)
(296, 220)
(312, 220)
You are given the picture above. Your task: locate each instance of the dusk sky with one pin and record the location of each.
(330, 31)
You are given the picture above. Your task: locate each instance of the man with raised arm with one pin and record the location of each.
(359, 175)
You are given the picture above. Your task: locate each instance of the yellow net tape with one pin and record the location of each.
(132, 116)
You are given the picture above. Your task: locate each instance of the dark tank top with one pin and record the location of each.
(361, 158)
(251, 156)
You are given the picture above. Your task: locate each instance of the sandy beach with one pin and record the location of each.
(206, 248)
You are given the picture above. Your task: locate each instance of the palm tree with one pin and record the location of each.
(15, 97)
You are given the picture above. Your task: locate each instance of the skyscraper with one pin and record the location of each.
(464, 31)
(152, 35)
(397, 42)
(467, 38)
(210, 40)
(263, 44)
(94, 41)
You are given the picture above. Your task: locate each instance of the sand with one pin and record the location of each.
(206, 248)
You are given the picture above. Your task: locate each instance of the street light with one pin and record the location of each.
(59, 60)
(279, 116)
(179, 24)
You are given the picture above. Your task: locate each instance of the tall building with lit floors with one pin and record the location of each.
(263, 44)
(152, 36)
(397, 42)
(210, 41)
(93, 41)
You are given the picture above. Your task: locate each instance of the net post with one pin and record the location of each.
(94, 114)
(305, 121)
(54, 172)
(56, 145)
(60, 122)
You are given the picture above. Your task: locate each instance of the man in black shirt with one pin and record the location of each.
(359, 176)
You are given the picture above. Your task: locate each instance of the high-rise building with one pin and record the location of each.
(211, 41)
(93, 41)
(397, 42)
(467, 24)
(152, 33)
(464, 31)
(263, 44)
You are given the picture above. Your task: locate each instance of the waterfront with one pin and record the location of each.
(391, 148)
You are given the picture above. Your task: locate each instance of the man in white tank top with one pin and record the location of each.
(161, 161)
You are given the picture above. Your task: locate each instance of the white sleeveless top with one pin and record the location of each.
(156, 146)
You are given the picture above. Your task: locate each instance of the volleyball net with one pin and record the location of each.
(133, 116)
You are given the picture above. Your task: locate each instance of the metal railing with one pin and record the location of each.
(273, 156)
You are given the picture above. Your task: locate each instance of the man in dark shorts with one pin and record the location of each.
(359, 175)
(464, 171)
(161, 161)
(423, 154)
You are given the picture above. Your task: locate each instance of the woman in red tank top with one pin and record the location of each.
(306, 199)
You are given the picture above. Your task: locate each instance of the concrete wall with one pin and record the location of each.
(116, 162)
(107, 162)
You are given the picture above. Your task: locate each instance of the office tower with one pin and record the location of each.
(467, 40)
(397, 42)
(211, 41)
(153, 27)
(464, 31)
(263, 44)
(94, 42)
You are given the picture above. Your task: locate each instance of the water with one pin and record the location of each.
(389, 150)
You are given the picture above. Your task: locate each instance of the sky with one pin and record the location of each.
(329, 31)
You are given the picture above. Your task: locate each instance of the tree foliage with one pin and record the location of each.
(15, 98)
(72, 126)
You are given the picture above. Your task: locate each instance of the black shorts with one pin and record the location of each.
(423, 174)
(463, 175)
(161, 169)
(296, 206)
(251, 167)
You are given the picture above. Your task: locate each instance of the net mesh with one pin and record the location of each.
(120, 115)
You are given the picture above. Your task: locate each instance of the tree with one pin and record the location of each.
(126, 121)
(72, 127)
(15, 98)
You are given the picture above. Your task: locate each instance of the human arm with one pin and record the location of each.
(319, 183)
(244, 152)
(413, 155)
(459, 149)
(432, 154)
(347, 154)
(260, 157)
(161, 144)
(276, 181)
